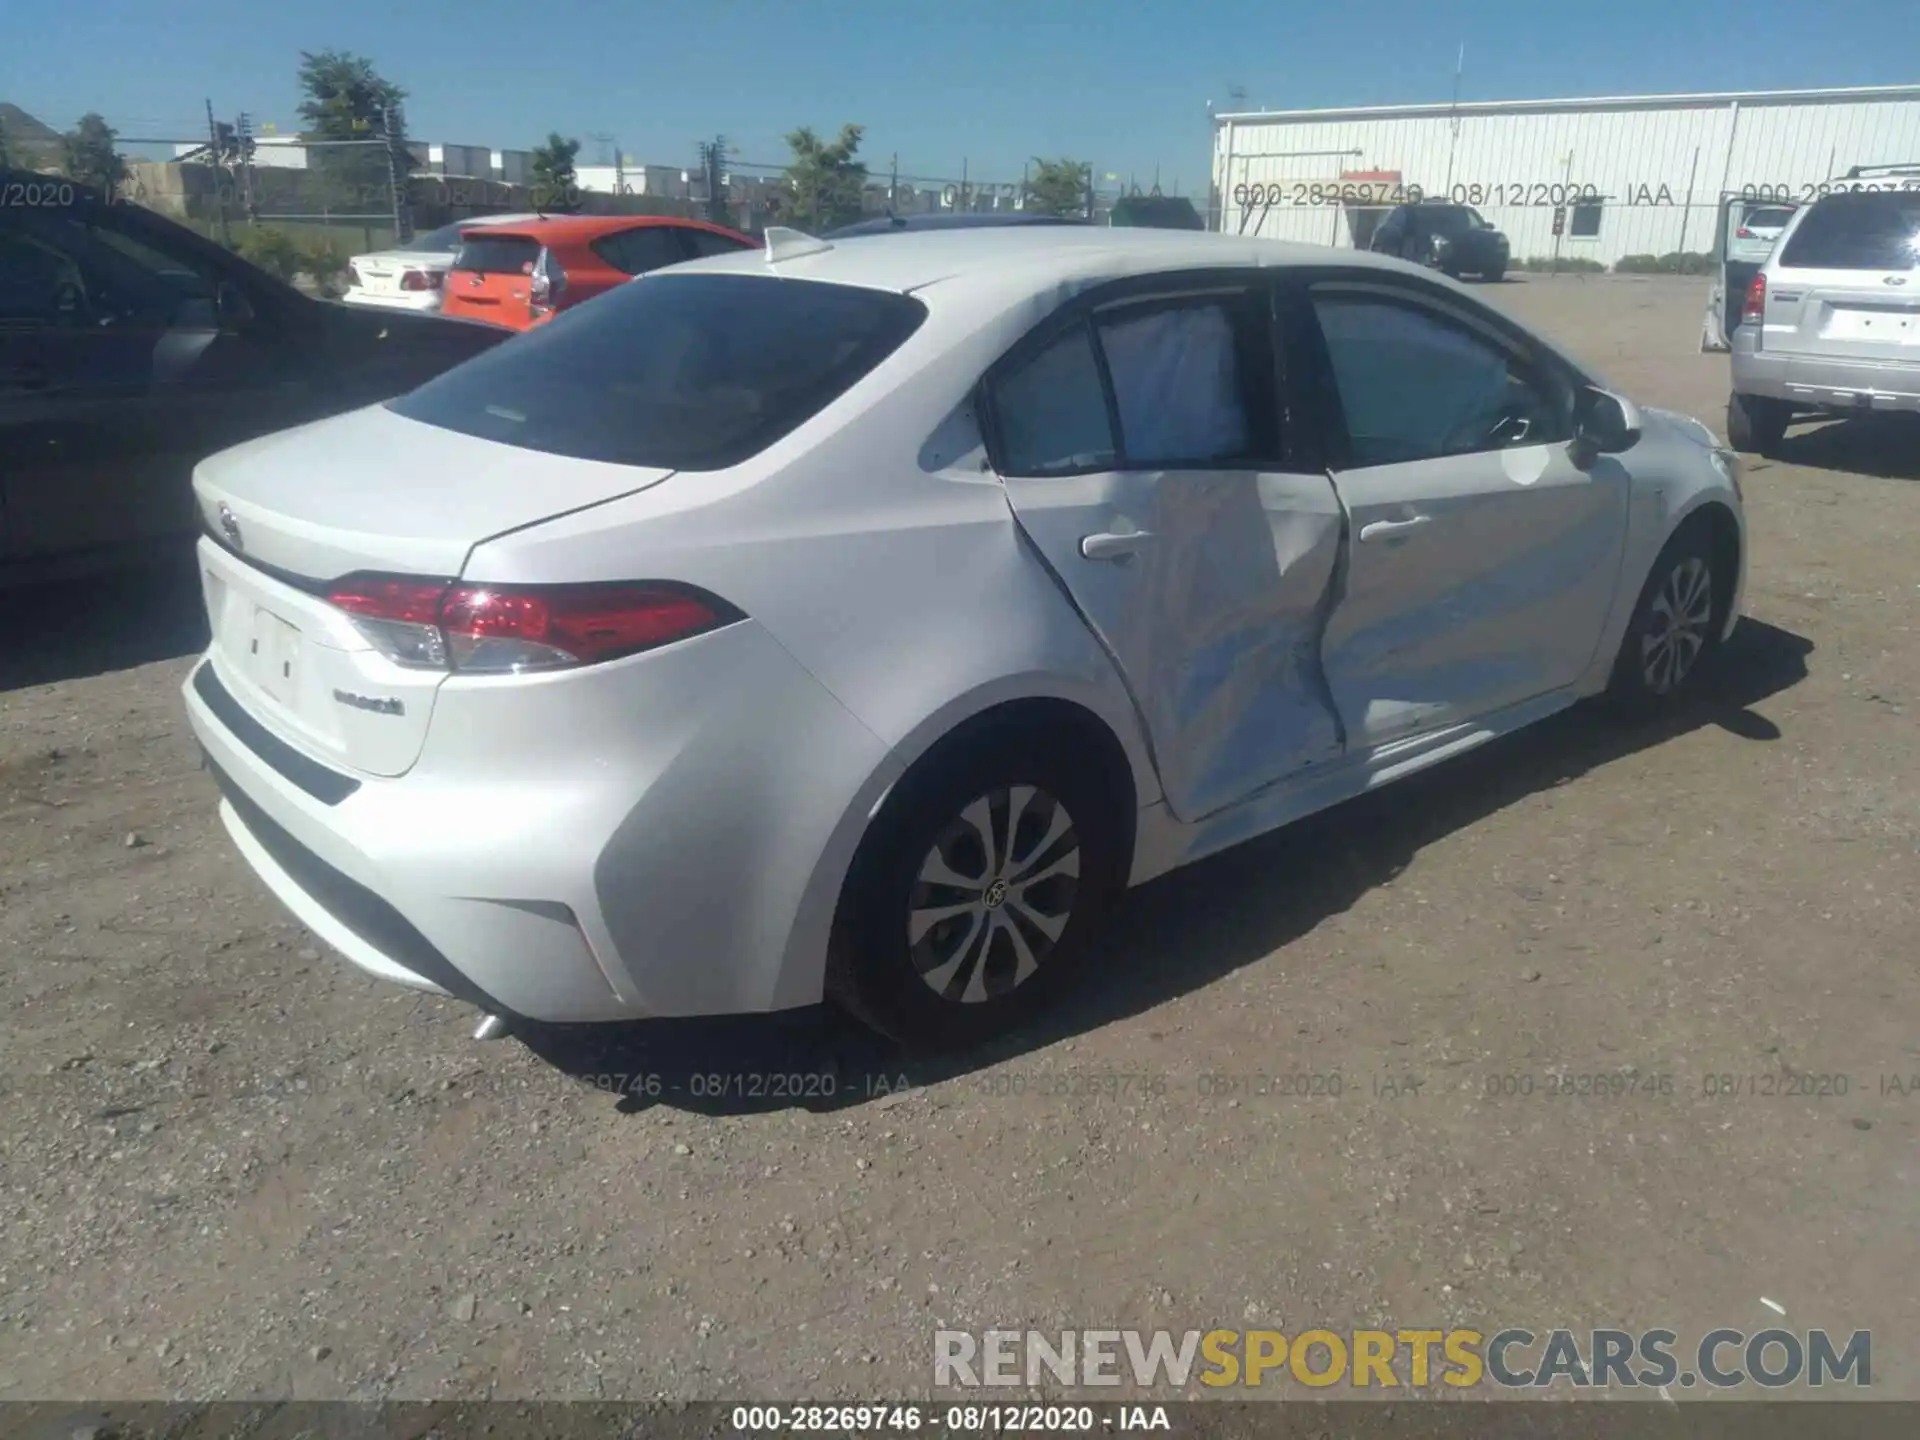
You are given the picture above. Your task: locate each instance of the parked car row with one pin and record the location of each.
(518, 271)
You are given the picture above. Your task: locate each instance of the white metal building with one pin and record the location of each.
(1634, 174)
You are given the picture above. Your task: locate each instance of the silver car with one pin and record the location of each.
(1831, 323)
(859, 618)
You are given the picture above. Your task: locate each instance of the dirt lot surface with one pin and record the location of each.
(231, 1166)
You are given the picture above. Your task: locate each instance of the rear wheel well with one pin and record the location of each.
(1084, 734)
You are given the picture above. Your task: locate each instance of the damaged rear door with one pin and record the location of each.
(1145, 439)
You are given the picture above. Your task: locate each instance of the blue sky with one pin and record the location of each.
(990, 82)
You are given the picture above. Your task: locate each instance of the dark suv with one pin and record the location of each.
(131, 348)
(1453, 238)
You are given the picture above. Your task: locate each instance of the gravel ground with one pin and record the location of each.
(232, 1167)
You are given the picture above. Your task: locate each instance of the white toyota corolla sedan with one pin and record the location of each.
(858, 620)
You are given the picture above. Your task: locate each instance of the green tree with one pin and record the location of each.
(555, 186)
(88, 155)
(1059, 187)
(347, 99)
(6, 156)
(829, 183)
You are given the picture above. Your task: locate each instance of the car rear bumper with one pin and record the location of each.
(1825, 382)
(663, 835)
(420, 300)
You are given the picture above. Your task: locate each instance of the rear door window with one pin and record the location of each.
(635, 252)
(1181, 381)
(683, 372)
(1871, 231)
(498, 254)
(1051, 410)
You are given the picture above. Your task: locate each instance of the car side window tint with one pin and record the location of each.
(68, 271)
(1415, 384)
(1051, 410)
(39, 284)
(637, 251)
(1181, 382)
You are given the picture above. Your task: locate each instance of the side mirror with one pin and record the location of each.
(231, 304)
(1606, 423)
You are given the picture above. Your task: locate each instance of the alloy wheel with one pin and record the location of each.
(1678, 627)
(994, 894)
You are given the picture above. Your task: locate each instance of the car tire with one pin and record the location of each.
(1676, 624)
(1037, 836)
(1496, 274)
(1756, 423)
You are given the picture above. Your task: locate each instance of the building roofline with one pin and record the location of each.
(1598, 102)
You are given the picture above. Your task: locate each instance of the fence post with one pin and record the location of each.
(399, 172)
(213, 164)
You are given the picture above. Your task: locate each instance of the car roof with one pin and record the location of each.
(894, 224)
(588, 227)
(1015, 259)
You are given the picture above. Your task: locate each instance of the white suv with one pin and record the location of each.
(1831, 324)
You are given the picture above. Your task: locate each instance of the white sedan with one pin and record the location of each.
(414, 276)
(858, 620)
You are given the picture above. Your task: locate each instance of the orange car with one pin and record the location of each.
(521, 275)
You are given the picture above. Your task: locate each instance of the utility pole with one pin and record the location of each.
(393, 126)
(893, 182)
(1453, 116)
(964, 204)
(243, 133)
(213, 161)
(713, 161)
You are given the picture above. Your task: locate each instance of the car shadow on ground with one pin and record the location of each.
(72, 629)
(1175, 934)
(1887, 446)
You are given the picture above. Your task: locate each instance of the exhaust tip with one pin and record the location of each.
(491, 1027)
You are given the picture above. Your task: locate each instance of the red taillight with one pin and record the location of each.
(484, 629)
(1755, 307)
(1744, 233)
(421, 280)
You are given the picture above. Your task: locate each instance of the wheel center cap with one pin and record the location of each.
(996, 895)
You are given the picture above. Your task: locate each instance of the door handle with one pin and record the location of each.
(1383, 529)
(1111, 545)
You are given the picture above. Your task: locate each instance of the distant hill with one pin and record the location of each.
(28, 141)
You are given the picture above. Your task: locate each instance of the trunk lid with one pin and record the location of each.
(382, 273)
(365, 491)
(1858, 315)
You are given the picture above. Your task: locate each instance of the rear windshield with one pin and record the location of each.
(498, 254)
(685, 372)
(1873, 231)
(1767, 218)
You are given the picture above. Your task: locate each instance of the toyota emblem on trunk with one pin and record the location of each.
(230, 527)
